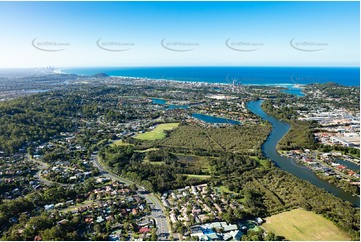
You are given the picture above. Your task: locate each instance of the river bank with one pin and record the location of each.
(269, 149)
(325, 166)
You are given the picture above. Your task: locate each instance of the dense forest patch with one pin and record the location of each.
(244, 138)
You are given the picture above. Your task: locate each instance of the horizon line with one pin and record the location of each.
(150, 66)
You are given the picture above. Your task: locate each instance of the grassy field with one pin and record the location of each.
(225, 190)
(299, 224)
(193, 162)
(146, 160)
(158, 132)
(158, 163)
(147, 150)
(201, 177)
(264, 163)
(120, 143)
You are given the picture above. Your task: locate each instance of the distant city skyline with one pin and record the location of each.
(92, 34)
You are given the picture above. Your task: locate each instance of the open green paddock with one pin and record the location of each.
(299, 224)
(157, 132)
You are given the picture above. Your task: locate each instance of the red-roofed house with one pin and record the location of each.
(144, 230)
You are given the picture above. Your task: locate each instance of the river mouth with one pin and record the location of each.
(269, 150)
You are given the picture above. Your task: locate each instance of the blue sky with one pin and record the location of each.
(260, 33)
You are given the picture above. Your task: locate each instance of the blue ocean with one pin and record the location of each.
(283, 76)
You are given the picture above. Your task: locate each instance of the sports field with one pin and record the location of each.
(158, 132)
(299, 224)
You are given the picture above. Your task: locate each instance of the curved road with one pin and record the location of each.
(43, 166)
(157, 209)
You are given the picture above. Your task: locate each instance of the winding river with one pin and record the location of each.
(279, 129)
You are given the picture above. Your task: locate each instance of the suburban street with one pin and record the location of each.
(157, 209)
(43, 166)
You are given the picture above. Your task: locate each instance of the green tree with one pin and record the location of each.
(154, 234)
